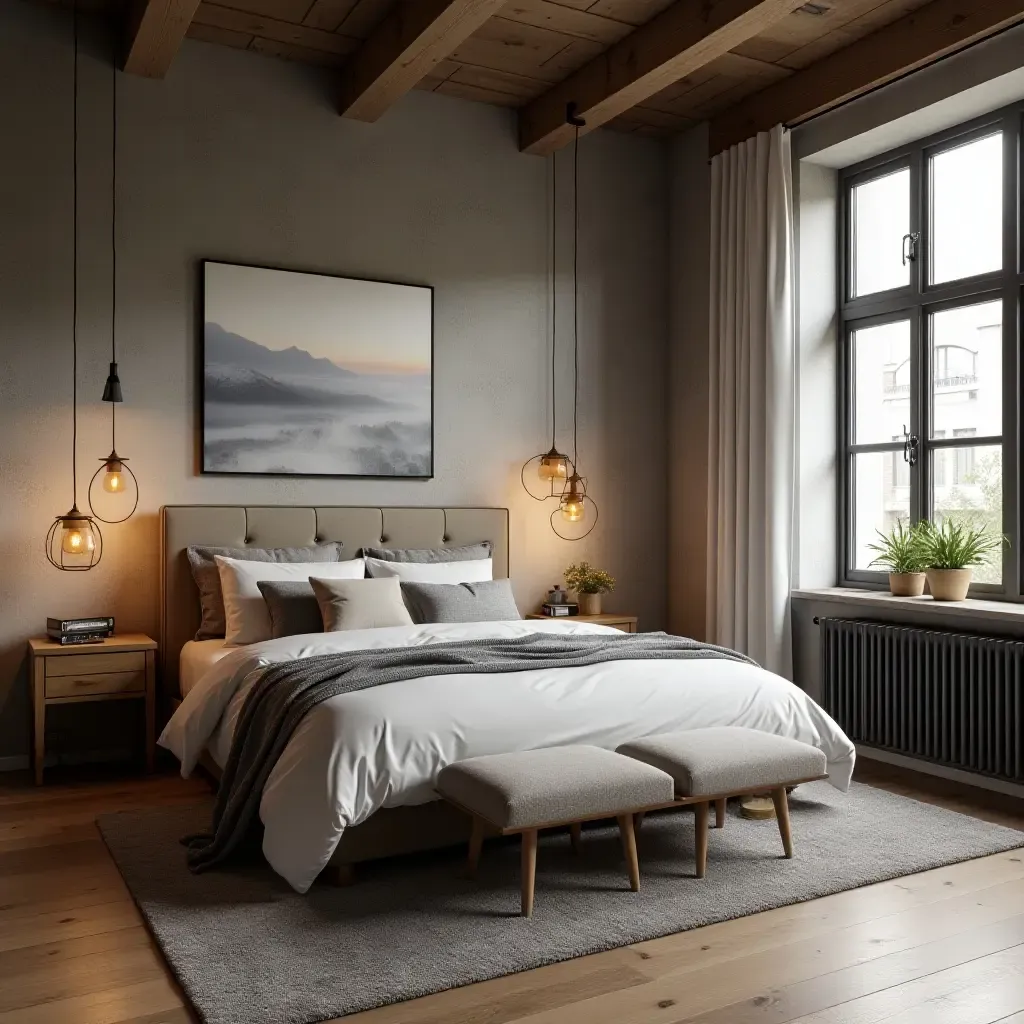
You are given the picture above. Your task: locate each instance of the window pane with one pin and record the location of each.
(967, 484)
(881, 382)
(967, 210)
(967, 378)
(881, 495)
(880, 219)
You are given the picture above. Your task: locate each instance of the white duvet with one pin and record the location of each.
(383, 747)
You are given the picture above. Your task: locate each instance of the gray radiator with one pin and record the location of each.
(949, 698)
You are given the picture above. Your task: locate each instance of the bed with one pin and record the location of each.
(356, 780)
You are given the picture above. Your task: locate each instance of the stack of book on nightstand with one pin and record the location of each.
(562, 608)
(80, 631)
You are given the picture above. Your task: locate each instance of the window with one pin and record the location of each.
(931, 301)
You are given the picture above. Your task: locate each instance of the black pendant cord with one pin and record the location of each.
(554, 291)
(113, 237)
(575, 293)
(74, 277)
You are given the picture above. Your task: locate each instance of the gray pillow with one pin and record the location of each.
(293, 607)
(490, 601)
(360, 604)
(204, 571)
(461, 553)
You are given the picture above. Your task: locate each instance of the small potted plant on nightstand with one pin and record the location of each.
(589, 584)
(902, 551)
(951, 550)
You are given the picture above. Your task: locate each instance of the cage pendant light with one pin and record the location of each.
(543, 476)
(577, 512)
(113, 489)
(74, 542)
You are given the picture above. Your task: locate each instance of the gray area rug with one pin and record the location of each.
(249, 950)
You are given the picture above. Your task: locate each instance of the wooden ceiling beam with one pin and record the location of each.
(677, 42)
(922, 37)
(156, 29)
(405, 48)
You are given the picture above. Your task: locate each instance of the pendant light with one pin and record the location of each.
(113, 489)
(74, 542)
(577, 512)
(552, 467)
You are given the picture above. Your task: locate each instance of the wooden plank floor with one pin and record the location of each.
(942, 947)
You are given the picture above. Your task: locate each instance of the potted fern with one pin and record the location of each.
(951, 550)
(589, 584)
(902, 551)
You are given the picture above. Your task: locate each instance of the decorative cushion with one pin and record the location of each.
(245, 612)
(727, 759)
(204, 572)
(528, 788)
(461, 553)
(360, 604)
(470, 571)
(292, 606)
(488, 601)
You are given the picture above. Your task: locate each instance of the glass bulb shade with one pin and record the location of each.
(77, 537)
(573, 508)
(553, 467)
(113, 478)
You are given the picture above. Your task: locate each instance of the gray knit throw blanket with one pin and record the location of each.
(285, 693)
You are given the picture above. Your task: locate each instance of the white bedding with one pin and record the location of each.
(197, 658)
(383, 747)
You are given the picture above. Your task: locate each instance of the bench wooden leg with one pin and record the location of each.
(528, 870)
(628, 837)
(781, 802)
(476, 844)
(575, 831)
(701, 837)
(720, 806)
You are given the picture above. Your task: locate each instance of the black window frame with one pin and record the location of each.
(916, 302)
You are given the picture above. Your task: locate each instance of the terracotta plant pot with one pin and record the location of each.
(590, 604)
(906, 584)
(949, 584)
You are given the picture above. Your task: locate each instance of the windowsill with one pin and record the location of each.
(878, 601)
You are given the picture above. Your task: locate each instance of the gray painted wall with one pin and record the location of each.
(689, 381)
(243, 158)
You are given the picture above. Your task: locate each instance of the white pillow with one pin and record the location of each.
(473, 571)
(245, 612)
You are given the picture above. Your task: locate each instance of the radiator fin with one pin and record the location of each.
(950, 698)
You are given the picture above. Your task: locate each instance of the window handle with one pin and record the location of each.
(910, 443)
(910, 247)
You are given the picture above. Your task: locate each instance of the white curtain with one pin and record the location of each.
(753, 396)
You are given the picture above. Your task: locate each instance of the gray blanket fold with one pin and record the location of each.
(284, 694)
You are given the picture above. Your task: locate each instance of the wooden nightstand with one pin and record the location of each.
(120, 668)
(627, 623)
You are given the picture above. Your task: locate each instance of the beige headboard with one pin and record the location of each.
(269, 526)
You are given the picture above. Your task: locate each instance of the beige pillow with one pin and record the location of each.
(360, 604)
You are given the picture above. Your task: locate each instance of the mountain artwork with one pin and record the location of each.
(312, 375)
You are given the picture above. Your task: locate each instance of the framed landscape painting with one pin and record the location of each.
(312, 375)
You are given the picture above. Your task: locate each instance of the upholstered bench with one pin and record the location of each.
(528, 790)
(711, 765)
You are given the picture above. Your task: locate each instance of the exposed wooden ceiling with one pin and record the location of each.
(652, 67)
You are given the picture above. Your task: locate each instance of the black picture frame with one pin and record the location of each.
(205, 469)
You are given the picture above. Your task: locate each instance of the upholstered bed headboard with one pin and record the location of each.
(269, 526)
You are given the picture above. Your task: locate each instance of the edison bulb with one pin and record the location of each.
(76, 541)
(572, 508)
(113, 481)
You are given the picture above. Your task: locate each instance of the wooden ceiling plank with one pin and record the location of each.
(156, 29)
(220, 36)
(919, 38)
(683, 38)
(404, 48)
(274, 31)
(543, 14)
(328, 14)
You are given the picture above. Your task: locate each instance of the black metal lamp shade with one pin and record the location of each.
(112, 388)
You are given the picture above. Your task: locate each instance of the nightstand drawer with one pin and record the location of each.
(95, 683)
(94, 664)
